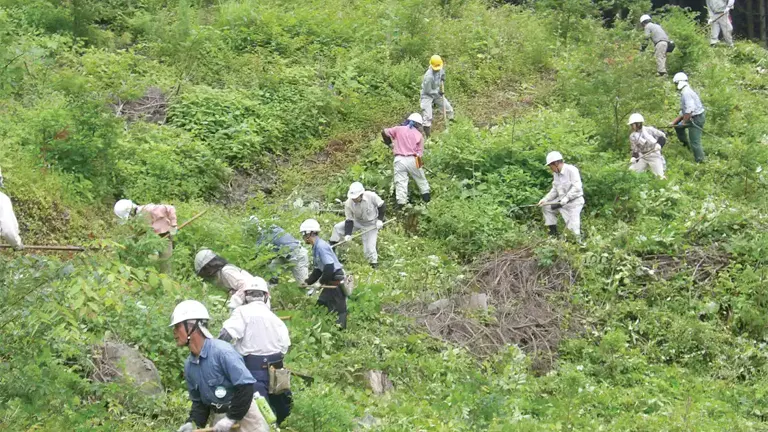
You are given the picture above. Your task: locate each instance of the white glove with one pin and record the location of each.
(657, 148)
(541, 202)
(237, 299)
(633, 160)
(379, 224)
(564, 201)
(186, 427)
(347, 238)
(310, 292)
(173, 231)
(224, 425)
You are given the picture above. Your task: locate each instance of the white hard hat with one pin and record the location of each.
(645, 18)
(554, 157)
(123, 208)
(416, 118)
(202, 258)
(355, 190)
(189, 310)
(257, 284)
(308, 226)
(636, 118)
(680, 76)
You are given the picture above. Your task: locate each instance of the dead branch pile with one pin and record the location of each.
(151, 108)
(528, 306)
(702, 264)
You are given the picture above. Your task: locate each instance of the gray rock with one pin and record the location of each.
(378, 382)
(439, 305)
(119, 362)
(478, 302)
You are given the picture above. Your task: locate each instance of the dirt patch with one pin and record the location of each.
(151, 108)
(527, 306)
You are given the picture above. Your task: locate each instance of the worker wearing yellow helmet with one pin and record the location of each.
(432, 87)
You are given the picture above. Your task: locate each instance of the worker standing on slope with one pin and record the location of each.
(660, 40)
(262, 339)
(288, 249)
(235, 280)
(9, 226)
(328, 271)
(432, 87)
(162, 217)
(689, 125)
(720, 20)
(365, 211)
(217, 380)
(567, 194)
(408, 148)
(646, 143)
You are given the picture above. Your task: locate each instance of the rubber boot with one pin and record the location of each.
(427, 131)
(552, 230)
(426, 197)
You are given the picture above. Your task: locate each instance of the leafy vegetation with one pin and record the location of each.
(669, 309)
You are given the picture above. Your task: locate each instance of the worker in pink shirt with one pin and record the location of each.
(162, 217)
(408, 148)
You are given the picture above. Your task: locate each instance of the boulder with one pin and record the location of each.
(119, 362)
(439, 305)
(378, 382)
(478, 302)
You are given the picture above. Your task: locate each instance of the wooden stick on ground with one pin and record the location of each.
(54, 248)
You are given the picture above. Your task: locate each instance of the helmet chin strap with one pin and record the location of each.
(189, 332)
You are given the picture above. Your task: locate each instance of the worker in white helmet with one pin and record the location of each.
(689, 124)
(720, 20)
(365, 211)
(220, 386)
(9, 226)
(262, 339)
(646, 143)
(660, 41)
(162, 217)
(235, 280)
(407, 143)
(327, 270)
(566, 196)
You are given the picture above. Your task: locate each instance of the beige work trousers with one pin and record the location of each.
(406, 166)
(652, 160)
(660, 52)
(722, 26)
(252, 422)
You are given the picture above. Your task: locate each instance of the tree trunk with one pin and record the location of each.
(763, 23)
(750, 20)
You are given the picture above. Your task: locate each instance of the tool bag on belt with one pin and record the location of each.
(279, 380)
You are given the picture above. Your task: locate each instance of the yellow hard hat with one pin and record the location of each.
(436, 62)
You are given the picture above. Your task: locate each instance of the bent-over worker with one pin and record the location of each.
(566, 193)
(262, 339)
(328, 270)
(217, 380)
(288, 249)
(213, 267)
(660, 41)
(162, 217)
(408, 147)
(365, 211)
(646, 143)
(432, 87)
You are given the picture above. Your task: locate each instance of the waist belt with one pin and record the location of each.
(264, 362)
(656, 43)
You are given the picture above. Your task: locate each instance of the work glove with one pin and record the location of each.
(347, 238)
(379, 224)
(186, 427)
(657, 148)
(541, 202)
(223, 425)
(310, 292)
(564, 201)
(555, 206)
(173, 231)
(633, 160)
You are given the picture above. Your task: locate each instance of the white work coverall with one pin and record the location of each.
(567, 190)
(430, 95)
(720, 19)
(252, 422)
(235, 280)
(9, 226)
(644, 143)
(364, 216)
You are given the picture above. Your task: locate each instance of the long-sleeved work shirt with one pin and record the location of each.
(257, 331)
(162, 217)
(408, 141)
(430, 85)
(282, 242)
(690, 103)
(9, 226)
(655, 33)
(366, 211)
(645, 140)
(566, 184)
(322, 255)
(717, 7)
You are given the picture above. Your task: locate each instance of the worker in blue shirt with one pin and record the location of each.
(217, 379)
(288, 249)
(328, 271)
